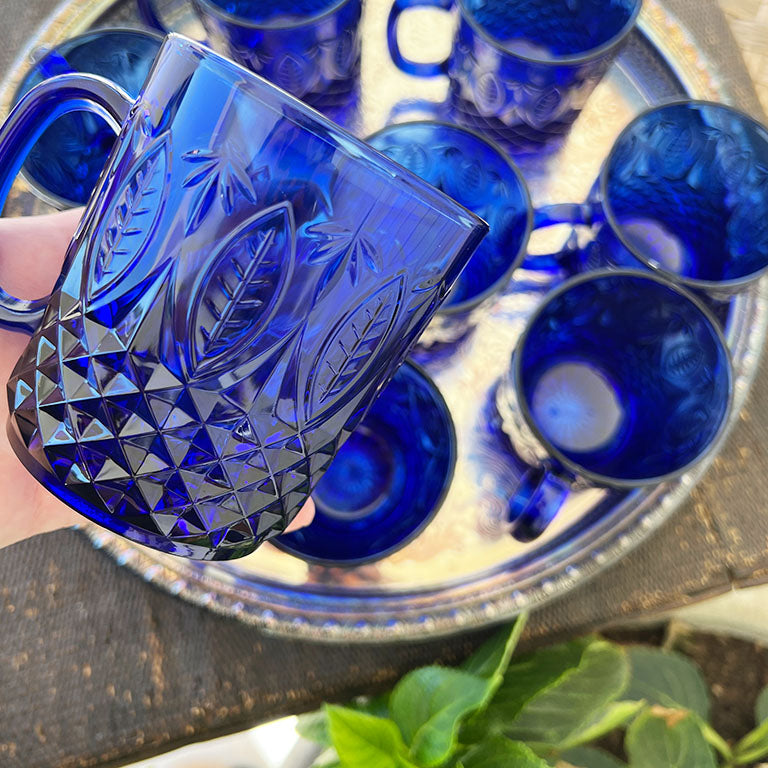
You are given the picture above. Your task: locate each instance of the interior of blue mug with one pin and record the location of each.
(274, 12)
(624, 377)
(475, 173)
(388, 479)
(686, 187)
(550, 29)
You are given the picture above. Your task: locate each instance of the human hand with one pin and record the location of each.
(32, 250)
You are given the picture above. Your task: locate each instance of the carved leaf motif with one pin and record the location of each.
(490, 94)
(242, 288)
(333, 242)
(546, 106)
(355, 341)
(220, 172)
(291, 74)
(734, 162)
(130, 221)
(676, 151)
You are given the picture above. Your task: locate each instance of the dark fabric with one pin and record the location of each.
(99, 668)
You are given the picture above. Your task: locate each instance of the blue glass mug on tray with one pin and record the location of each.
(476, 173)
(684, 192)
(522, 71)
(244, 280)
(64, 165)
(621, 379)
(310, 48)
(387, 481)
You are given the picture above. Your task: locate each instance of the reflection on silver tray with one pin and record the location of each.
(464, 569)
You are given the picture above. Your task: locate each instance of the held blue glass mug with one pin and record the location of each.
(310, 48)
(522, 71)
(684, 192)
(621, 379)
(245, 279)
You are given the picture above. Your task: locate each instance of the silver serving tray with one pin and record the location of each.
(464, 570)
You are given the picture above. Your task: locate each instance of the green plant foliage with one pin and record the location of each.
(670, 738)
(588, 757)
(500, 752)
(668, 679)
(545, 709)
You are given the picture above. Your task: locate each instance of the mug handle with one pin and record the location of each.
(148, 14)
(36, 110)
(419, 69)
(538, 499)
(575, 214)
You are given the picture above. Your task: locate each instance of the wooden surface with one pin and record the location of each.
(748, 20)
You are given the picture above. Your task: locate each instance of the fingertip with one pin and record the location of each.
(304, 518)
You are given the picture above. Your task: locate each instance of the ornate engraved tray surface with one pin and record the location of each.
(463, 570)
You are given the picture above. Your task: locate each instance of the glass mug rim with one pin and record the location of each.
(470, 304)
(229, 72)
(208, 6)
(552, 450)
(48, 197)
(554, 61)
(604, 202)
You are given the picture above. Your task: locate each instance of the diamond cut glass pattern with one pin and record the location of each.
(245, 280)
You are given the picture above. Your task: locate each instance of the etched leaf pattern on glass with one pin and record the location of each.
(242, 288)
(356, 339)
(336, 243)
(219, 172)
(129, 224)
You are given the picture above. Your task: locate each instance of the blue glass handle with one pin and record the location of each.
(538, 499)
(29, 118)
(148, 14)
(419, 69)
(575, 214)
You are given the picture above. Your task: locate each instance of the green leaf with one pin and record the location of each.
(313, 726)
(667, 679)
(492, 658)
(615, 715)
(588, 757)
(428, 705)
(557, 714)
(670, 738)
(753, 746)
(499, 752)
(761, 706)
(528, 675)
(365, 741)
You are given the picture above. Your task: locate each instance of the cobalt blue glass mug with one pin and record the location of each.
(522, 71)
(387, 481)
(310, 48)
(684, 192)
(245, 279)
(621, 379)
(474, 172)
(64, 165)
